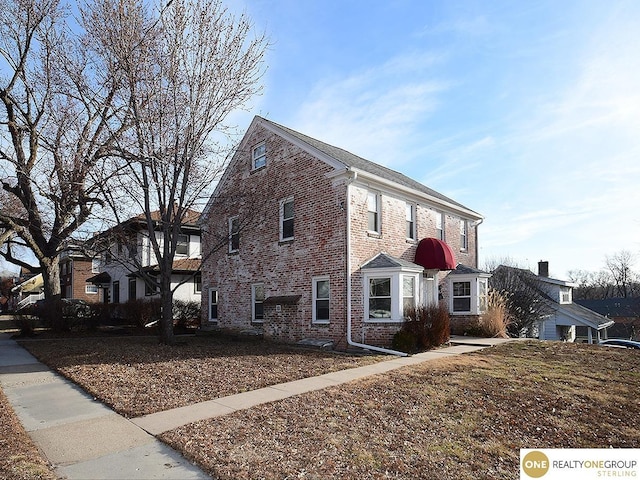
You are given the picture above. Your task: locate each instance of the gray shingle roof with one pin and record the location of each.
(384, 260)
(350, 160)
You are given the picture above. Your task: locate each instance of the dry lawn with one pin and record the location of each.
(464, 417)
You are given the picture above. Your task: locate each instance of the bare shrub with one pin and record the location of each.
(495, 321)
(424, 327)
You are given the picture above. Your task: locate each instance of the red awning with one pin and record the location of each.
(434, 254)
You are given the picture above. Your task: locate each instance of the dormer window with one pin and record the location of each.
(258, 156)
(565, 295)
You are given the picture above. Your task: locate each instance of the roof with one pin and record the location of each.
(583, 315)
(384, 260)
(465, 270)
(182, 265)
(191, 217)
(100, 279)
(529, 273)
(352, 161)
(614, 307)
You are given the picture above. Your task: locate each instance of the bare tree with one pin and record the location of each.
(619, 265)
(59, 115)
(187, 66)
(524, 297)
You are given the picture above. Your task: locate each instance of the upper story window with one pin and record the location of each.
(286, 219)
(234, 234)
(182, 246)
(439, 217)
(411, 221)
(464, 234)
(258, 156)
(373, 212)
(565, 295)
(95, 265)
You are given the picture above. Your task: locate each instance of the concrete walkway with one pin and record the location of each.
(84, 439)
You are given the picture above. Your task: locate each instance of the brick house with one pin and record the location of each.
(304, 240)
(75, 268)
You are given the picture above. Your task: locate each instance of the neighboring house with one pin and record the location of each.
(625, 312)
(76, 267)
(29, 289)
(305, 240)
(126, 250)
(567, 318)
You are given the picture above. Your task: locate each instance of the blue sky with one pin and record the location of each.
(527, 112)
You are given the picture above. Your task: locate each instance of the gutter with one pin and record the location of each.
(348, 278)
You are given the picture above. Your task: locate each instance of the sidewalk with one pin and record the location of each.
(84, 439)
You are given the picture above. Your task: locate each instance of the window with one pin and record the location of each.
(463, 235)
(565, 295)
(91, 289)
(373, 212)
(197, 283)
(469, 293)
(461, 296)
(150, 288)
(132, 289)
(321, 295)
(95, 265)
(411, 221)
(257, 302)
(258, 156)
(116, 291)
(388, 291)
(234, 234)
(286, 219)
(439, 216)
(182, 244)
(63, 269)
(213, 305)
(380, 297)
(408, 292)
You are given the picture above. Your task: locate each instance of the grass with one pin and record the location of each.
(463, 417)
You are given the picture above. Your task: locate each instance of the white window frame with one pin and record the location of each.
(396, 276)
(197, 283)
(182, 241)
(464, 235)
(374, 207)
(465, 295)
(91, 289)
(315, 318)
(440, 223)
(233, 234)
(255, 300)
(565, 295)
(283, 202)
(410, 213)
(210, 303)
(95, 265)
(479, 288)
(258, 156)
(413, 297)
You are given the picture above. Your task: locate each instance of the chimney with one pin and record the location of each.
(543, 269)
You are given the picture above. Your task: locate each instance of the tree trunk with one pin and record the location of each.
(51, 312)
(166, 302)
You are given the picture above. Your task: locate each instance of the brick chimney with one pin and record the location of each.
(543, 269)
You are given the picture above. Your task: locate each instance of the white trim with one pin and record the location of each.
(209, 303)
(262, 157)
(230, 224)
(89, 289)
(314, 288)
(410, 212)
(377, 197)
(282, 218)
(396, 276)
(254, 301)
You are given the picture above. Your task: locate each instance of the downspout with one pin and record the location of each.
(478, 223)
(348, 249)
